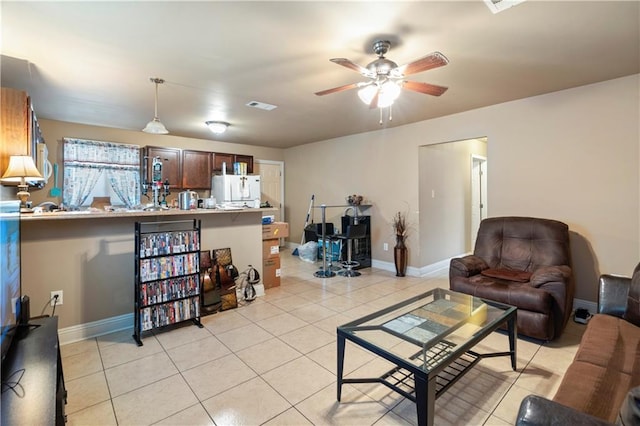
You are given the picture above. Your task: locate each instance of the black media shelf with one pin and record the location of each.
(167, 280)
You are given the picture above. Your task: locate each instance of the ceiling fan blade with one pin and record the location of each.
(338, 89)
(353, 66)
(432, 60)
(426, 88)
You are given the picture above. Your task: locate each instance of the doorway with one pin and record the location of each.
(478, 194)
(446, 188)
(271, 184)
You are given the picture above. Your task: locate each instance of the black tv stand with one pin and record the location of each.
(37, 396)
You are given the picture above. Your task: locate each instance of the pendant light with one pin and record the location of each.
(155, 126)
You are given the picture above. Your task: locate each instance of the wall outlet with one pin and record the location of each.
(385, 247)
(53, 300)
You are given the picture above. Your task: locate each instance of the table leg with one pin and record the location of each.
(513, 340)
(340, 369)
(425, 399)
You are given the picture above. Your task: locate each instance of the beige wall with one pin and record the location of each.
(445, 198)
(571, 155)
(55, 131)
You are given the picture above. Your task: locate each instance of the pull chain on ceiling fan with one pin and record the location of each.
(387, 78)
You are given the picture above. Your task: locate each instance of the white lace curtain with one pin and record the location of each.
(85, 161)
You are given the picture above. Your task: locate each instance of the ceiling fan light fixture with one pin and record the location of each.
(155, 126)
(389, 92)
(217, 127)
(367, 93)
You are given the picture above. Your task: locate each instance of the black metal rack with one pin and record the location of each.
(167, 275)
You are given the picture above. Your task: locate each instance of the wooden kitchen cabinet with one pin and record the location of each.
(171, 164)
(220, 158)
(196, 169)
(19, 130)
(245, 159)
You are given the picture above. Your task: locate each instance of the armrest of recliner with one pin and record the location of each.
(547, 274)
(536, 410)
(466, 266)
(612, 294)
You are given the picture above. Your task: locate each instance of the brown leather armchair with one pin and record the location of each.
(524, 262)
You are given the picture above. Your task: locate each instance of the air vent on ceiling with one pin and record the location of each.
(499, 5)
(261, 105)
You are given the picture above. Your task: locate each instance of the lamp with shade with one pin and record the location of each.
(21, 170)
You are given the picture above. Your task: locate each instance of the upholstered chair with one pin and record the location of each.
(523, 262)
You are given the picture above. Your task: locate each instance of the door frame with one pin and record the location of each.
(482, 190)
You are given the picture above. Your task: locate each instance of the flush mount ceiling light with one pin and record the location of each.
(217, 127)
(155, 126)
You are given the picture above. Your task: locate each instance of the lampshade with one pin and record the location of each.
(217, 126)
(367, 93)
(21, 168)
(388, 92)
(155, 126)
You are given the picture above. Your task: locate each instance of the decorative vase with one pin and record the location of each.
(400, 256)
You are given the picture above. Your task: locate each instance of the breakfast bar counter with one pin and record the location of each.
(103, 214)
(90, 257)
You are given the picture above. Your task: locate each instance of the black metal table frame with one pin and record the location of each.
(426, 388)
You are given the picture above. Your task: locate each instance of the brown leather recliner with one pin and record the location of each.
(523, 262)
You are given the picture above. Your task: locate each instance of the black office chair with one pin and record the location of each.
(354, 232)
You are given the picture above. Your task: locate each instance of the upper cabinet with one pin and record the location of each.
(196, 169)
(245, 159)
(19, 130)
(190, 169)
(171, 164)
(219, 159)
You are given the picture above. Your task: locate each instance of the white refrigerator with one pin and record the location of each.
(235, 188)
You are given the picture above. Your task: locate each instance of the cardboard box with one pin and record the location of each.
(271, 272)
(275, 230)
(270, 248)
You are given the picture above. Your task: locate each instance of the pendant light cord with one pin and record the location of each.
(156, 106)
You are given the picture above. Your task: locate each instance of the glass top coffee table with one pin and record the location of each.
(429, 338)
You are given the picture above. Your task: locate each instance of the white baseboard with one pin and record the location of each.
(592, 307)
(89, 330)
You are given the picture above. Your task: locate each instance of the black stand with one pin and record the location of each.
(33, 391)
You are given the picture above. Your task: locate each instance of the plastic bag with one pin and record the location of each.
(308, 251)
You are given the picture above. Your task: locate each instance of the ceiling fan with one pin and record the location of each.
(387, 78)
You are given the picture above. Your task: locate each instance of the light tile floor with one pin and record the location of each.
(273, 362)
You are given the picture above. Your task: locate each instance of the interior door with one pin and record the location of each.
(272, 183)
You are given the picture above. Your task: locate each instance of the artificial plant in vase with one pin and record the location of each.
(400, 254)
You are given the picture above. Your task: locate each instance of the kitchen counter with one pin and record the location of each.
(90, 256)
(100, 214)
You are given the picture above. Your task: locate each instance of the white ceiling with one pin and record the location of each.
(90, 62)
